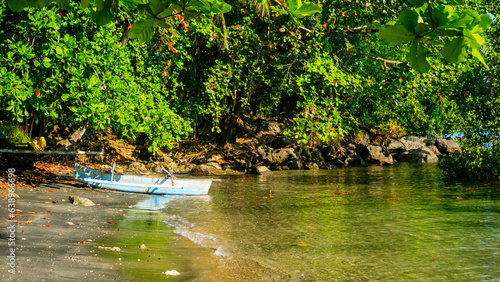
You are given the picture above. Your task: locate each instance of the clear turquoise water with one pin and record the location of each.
(402, 222)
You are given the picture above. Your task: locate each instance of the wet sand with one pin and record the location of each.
(54, 239)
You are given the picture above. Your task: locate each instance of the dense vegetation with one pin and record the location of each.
(225, 68)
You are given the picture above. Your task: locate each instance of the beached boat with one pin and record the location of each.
(142, 184)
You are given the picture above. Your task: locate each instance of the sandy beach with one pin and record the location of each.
(54, 239)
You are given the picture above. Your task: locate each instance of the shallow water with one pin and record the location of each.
(372, 223)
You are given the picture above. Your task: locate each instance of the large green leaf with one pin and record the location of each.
(86, 3)
(455, 51)
(219, 7)
(394, 35)
(417, 57)
(63, 4)
(408, 19)
(307, 9)
(417, 3)
(102, 14)
(17, 5)
(293, 5)
(143, 30)
(157, 6)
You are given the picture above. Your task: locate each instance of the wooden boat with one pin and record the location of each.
(142, 184)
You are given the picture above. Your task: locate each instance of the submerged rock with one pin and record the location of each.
(261, 170)
(81, 201)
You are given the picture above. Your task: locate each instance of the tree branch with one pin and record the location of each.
(379, 59)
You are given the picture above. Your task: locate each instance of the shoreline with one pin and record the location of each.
(54, 239)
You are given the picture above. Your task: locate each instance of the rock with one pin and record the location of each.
(376, 155)
(446, 146)
(312, 166)
(433, 149)
(115, 249)
(172, 272)
(81, 201)
(281, 142)
(6, 193)
(261, 170)
(137, 166)
(273, 127)
(157, 168)
(208, 169)
(423, 156)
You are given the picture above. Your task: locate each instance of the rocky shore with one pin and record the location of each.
(270, 151)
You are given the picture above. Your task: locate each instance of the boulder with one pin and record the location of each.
(261, 170)
(312, 166)
(423, 155)
(208, 169)
(137, 166)
(281, 142)
(376, 155)
(81, 201)
(446, 146)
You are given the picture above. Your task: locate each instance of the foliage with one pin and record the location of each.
(59, 69)
(480, 102)
(14, 133)
(441, 24)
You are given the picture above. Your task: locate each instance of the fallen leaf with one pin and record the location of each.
(51, 191)
(111, 222)
(82, 242)
(29, 221)
(302, 245)
(47, 211)
(48, 202)
(46, 226)
(32, 212)
(43, 218)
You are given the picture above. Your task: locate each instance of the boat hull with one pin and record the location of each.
(142, 184)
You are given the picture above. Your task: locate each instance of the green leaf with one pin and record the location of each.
(393, 35)
(63, 4)
(131, 4)
(85, 3)
(417, 57)
(219, 7)
(485, 22)
(279, 11)
(65, 97)
(293, 4)
(443, 15)
(168, 12)
(408, 19)
(59, 50)
(307, 9)
(417, 3)
(455, 51)
(474, 45)
(102, 14)
(17, 5)
(157, 6)
(143, 30)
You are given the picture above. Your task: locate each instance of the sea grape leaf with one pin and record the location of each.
(394, 35)
(102, 14)
(143, 29)
(417, 57)
(455, 51)
(307, 9)
(293, 5)
(63, 4)
(417, 3)
(408, 19)
(17, 5)
(85, 3)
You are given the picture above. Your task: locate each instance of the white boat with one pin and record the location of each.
(142, 184)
